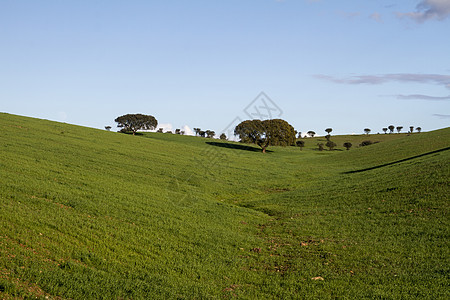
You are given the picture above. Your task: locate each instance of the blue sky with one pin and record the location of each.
(324, 63)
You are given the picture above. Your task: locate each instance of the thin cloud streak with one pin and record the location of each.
(428, 10)
(441, 116)
(422, 97)
(380, 79)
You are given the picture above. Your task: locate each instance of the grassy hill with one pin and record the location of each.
(87, 213)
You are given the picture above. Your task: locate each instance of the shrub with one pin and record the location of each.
(366, 143)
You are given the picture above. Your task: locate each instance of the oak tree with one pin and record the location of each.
(135, 122)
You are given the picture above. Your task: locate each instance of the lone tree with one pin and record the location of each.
(300, 144)
(399, 128)
(135, 122)
(419, 129)
(108, 128)
(385, 130)
(348, 145)
(311, 133)
(391, 128)
(178, 131)
(266, 133)
(210, 134)
(330, 145)
(367, 130)
(411, 129)
(223, 136)
(328, 130)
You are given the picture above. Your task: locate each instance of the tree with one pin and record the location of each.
(299, 135)
(210, 134)
(223, 136)
(182, 132)
(169, 131)
(419, 129)
(300, 144)
(197, 131)
(135, 122)
(399, 128)
(330, 145)
(202, 133)
(328, 130)
(311, 133)
(411, 129)
(328, 137)
(385, 130)
(160, 130)
(320, 146)
(178, 131)
(266, 133)
(367, 130)
(348, 145)
(391, 128)
(108, 128)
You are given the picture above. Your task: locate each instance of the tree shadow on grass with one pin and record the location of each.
(237, 147)
(398, 161)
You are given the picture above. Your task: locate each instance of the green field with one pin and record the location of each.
(86, 213)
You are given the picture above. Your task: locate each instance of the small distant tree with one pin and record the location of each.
(348, 145)
(328, 130)
(210, 134)
(197, 131)
(320, 145)
(223, 136)
(108, 128)
(299, 135)
(311, 133)
(178, 131)
(411, 129)
(331, 145)
(202, 133)
(391, 128)
(385, 130)
(300, 144)
(182, 132)
(419, 129)
(135, 122)
(169, 131)
(160, 130)
(328, 137)
(367, 130)
(399, 128)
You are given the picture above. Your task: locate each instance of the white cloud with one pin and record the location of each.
(165, 127)
(187, 130)
(428, 10)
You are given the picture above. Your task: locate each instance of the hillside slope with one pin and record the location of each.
(93, 214)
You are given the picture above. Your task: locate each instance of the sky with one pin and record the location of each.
(347, 64)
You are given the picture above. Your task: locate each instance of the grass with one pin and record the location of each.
(94, 214)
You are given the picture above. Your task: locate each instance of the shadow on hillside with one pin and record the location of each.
(396, 162)
(236, 147)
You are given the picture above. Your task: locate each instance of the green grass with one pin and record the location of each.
(93, 214)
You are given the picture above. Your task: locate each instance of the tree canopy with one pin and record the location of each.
(135, 122)
(266, 133)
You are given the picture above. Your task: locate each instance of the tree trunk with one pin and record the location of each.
(264, 150)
